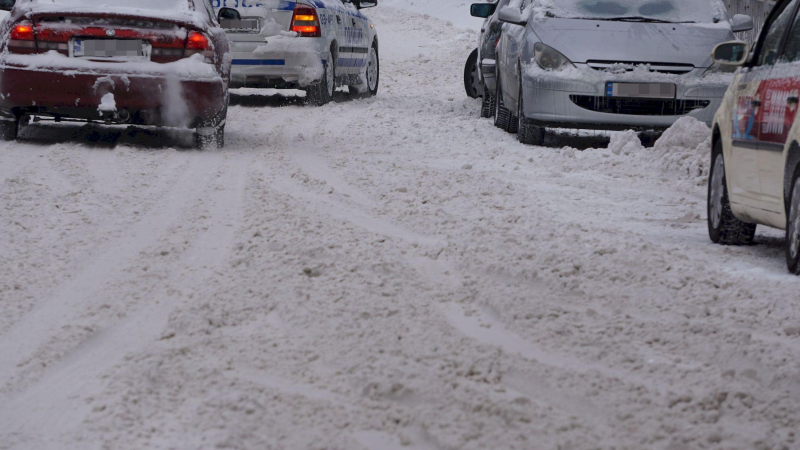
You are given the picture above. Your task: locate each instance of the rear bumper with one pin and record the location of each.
(147, 99)
(280, 62)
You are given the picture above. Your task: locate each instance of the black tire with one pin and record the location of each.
(373, 90)
(502, 116)
(793, 226)
(487, 107)
(216, 138)
(472, 79)
(528, 133)
(210, 141)
(723, 227)
(9, 129)
(321, 93)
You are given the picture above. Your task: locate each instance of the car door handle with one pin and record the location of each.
(793, 100)
(354, 22)
(339, 20)
(756, 103)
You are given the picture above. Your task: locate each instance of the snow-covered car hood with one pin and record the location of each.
(595, 40)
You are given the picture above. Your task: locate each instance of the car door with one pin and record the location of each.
(781, 97)
(511, 66)
(360, 41)
(347, 38)
(748, 115)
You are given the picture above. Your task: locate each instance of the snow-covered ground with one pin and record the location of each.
(383, 274)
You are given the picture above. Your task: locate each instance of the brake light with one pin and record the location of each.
(197, 43)
(21, 40)
(305, 21)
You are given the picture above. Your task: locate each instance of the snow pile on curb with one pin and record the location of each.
(685, 149)
(682, 154)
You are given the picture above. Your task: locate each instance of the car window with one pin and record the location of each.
(791, 52)
(768, 53)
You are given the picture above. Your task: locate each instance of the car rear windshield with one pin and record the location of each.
(105, 5)
(697, 11)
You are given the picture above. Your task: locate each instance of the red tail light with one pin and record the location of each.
(21, 39)
(197, 43)
(305, 21)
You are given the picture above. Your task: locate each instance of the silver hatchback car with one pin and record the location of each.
(613, 65)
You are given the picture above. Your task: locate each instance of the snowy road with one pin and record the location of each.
(383, 274)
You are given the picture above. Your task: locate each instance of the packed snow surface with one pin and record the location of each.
(389, 273)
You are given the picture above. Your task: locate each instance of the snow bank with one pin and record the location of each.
(682, 153)
(685, 149)
(455, 12)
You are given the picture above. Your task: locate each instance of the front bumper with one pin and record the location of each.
(488, 72)
(576, 101)
(280, 62)
(167, 98)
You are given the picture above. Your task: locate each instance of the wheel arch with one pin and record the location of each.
(790, 168)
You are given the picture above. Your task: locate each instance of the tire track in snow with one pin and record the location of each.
(42, 322)
(56, 400)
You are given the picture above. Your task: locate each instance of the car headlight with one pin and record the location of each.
(549, 58)
(720, 68)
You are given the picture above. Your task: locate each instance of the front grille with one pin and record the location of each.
(629, 66)
(638, 106)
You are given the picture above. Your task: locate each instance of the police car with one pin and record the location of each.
(755, 162)
(314, 45)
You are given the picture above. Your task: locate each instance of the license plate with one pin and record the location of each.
(240, 25)
(108, 48)
(641, 90)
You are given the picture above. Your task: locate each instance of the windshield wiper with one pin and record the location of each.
(638, 19)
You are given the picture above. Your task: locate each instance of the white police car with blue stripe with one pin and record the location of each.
(314, 45)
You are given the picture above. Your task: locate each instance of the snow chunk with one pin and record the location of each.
(626, 143)
(107, 104)
(685, 148)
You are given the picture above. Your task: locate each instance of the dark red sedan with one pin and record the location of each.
(147, 62)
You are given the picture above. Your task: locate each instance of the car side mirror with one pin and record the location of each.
(361, 4)
(733, 53)
(482, 10)
(228, 14)
(7, 5)
(742, 22)
(509, 14)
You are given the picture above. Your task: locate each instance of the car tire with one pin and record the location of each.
(793, 226)
(9, 129)
(487, 107)
(472, 79)
(723, 227)
(373, 77)
(502, 116)
(321, 93)
(527, 133)
(210, 136)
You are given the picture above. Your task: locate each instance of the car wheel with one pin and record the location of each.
(321, 93)
(211, 135)
(472, 79)
(373, 70)
(723, 227)
(502, 116)
(528, 133)
(488, 105)
(793, 227)
(9, 128)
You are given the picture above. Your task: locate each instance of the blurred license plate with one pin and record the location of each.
(240, 25)
(107, 48)
(641, 90)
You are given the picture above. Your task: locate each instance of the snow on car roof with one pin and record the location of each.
(152, 5)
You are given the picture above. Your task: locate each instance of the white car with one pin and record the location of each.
(314, 45)
(755, 162)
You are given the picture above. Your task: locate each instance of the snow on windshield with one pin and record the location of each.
(101, 5)
(700, 11)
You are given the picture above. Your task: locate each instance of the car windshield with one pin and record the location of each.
(103, 5)
(675, 11)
